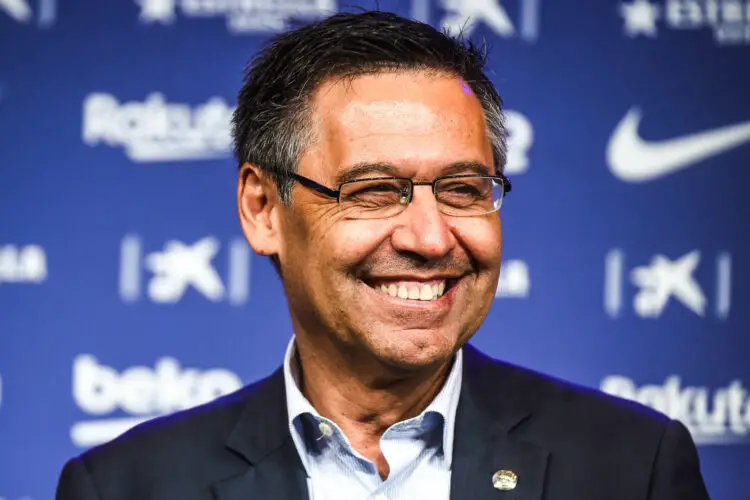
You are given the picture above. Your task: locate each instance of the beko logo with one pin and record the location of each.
(140, 392)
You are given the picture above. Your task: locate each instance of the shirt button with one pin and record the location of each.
(325, 429)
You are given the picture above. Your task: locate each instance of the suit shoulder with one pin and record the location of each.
(585, 406)
(163, 439)
(593, 404)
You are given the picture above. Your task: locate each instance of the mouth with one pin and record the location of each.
(413, 289)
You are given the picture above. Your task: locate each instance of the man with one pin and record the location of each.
(371, 151)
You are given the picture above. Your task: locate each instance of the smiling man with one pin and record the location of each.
(371, 155)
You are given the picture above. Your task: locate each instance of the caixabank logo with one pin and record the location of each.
(166, 275)
(114, 402)
(665, 281)
(509, 19)
(714, 415)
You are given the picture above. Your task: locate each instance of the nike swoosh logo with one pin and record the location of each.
(632, 159)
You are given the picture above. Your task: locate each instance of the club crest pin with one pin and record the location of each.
(504, 480)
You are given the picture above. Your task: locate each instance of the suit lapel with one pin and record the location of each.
(493, 403)
(261, 436)
(276, 476)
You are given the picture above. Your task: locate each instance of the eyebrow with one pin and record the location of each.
(358, 170)
(461, 167)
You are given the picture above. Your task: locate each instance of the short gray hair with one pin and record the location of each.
(271, 124)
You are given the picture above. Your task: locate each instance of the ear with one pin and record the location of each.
(258, 204)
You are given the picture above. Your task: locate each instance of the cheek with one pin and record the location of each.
(352, 241)
(482, 238)
(306, 232)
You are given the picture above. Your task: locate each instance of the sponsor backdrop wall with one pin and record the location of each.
(127, 289)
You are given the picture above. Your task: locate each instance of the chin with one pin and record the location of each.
(414, 349)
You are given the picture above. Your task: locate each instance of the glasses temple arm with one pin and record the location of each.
(309, 183)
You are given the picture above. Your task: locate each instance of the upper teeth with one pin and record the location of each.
(414, 291)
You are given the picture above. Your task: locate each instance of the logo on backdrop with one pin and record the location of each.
(140, 393)
(728, 20)
(520, 139)
(22, 264)
(514, 280)
(465, 15)
(159, 131)
(241, 17)
(22, 12)
(713, 416)
(180, 266)
(666, 280)
(633, 159)
(156, 130)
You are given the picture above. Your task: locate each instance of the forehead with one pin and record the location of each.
(416, 121)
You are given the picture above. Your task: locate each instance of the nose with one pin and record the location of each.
(422, 229)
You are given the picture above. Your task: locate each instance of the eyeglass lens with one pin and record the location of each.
(386, 197)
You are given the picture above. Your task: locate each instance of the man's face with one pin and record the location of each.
(339, 273)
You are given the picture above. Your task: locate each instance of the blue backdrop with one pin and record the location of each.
(127, 290)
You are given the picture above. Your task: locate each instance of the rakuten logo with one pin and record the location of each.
(157, 130)
(718, 416)
(140, 392)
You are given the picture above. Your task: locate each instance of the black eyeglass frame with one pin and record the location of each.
(336, 194)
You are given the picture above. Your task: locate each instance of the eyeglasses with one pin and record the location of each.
(381, 197)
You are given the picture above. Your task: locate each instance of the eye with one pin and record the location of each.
(462, 189)
(375, 192)
(463, 192)
(382, 188)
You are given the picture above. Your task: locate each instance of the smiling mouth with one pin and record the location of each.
(414, 290)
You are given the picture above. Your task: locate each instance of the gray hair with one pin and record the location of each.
(271, 126)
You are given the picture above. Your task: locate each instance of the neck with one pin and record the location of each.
(364, 398)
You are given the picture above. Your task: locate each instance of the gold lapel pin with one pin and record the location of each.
(504, 480)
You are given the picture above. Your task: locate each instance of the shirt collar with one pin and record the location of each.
(445, 402)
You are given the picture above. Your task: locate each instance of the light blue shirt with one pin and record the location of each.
(418, 451)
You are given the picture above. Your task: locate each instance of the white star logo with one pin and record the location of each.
(153, 11)
(640, 18)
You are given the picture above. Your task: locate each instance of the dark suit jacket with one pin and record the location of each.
(564, 442)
